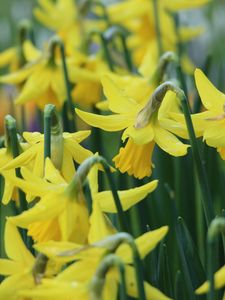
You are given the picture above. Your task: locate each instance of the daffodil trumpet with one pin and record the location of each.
(13, 145)
(53, 136)
(98, 280)
(81, 175)
(216, 227)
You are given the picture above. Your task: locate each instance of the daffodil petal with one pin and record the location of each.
(52, 174)
(23, 159)
(78, 152)
(145, 243)
(101, 227)
(108, 123)
(150, 291)
(140, 136)
(78, 136)
(128, 198)
(118, 102)
(169, 143)
(10, 287)
(219, 279)
(211, 97)
(7, 56)
(20, 252)
(9, 267)
(80, 271)
(16, 77)
(30, 51)
(35, 86)
(68, 168)
(215, 135)
(8, 190)
(47, 208)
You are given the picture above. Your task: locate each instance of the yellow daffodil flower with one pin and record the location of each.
(211, 123)
(42, 79)
(59, 214)
(10, 57)
(129, 111)
(128, 197)
(33, 157)
(219, 279)
(62, 17)
(9, 189)
(84, 269)
(18, 267)
(53, 217)
(86, 73)
(138, 17)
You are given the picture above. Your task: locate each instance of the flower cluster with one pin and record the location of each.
(76, 225)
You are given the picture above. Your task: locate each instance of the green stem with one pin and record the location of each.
(106, 52)
(113, 242)
(111, 34)
(145, 114)
(223, 235)
(98, 281)
(139, 272)
(202, 177)
(12, 143)
(69, 102)
(157, 27)
(81, 175)
(105, 48)
(165, 60)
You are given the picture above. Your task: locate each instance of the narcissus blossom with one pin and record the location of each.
(61, 213)
(63, 157)
(146, 123)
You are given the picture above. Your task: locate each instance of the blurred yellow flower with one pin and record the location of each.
(138, 17)
(33, 157)
(18, 267)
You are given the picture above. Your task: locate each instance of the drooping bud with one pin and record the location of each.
(153, 104)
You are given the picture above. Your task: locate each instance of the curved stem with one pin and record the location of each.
(12, 144)
(157, 27)
(98, 281)
(79, 178)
